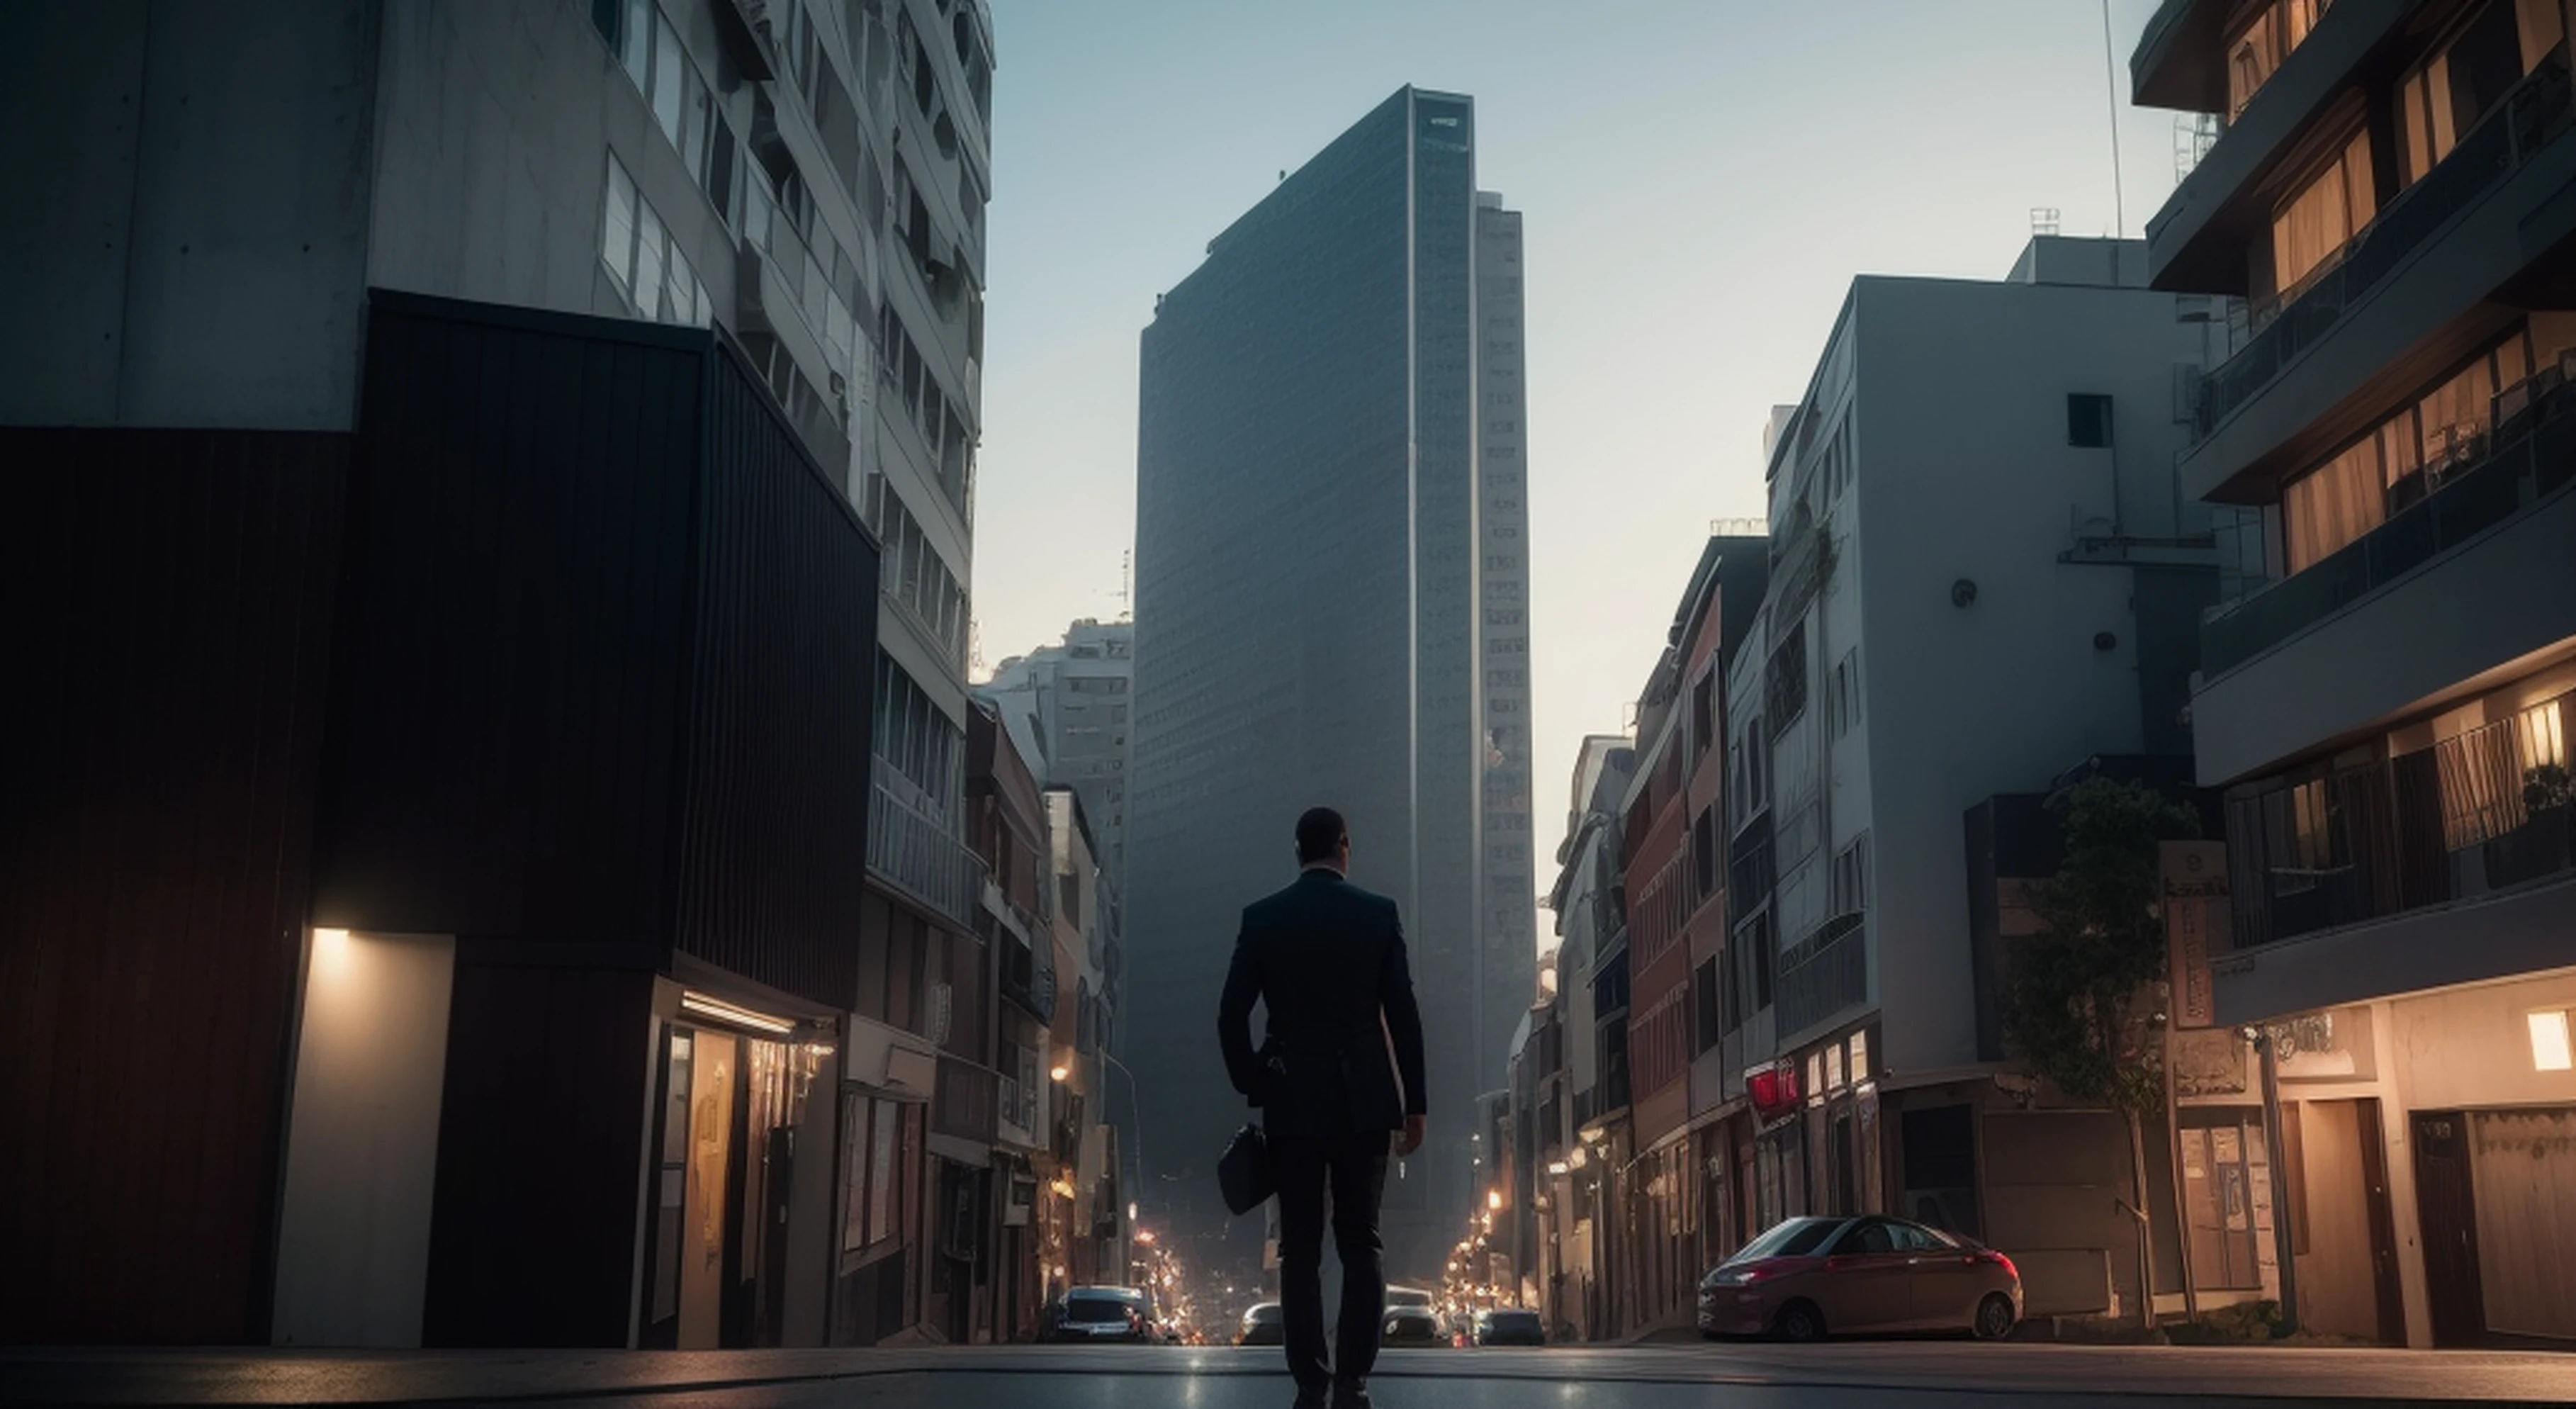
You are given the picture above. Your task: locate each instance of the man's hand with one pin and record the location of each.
(1411, 1139)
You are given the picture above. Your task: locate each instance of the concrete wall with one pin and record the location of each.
(196, 256)
(362, 1143)
(1963, 471)
(494, 126)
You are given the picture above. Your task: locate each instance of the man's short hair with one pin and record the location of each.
(1320, 833)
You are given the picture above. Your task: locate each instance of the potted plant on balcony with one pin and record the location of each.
(2539, 847)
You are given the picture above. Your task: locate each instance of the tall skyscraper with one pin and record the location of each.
(1330, 608)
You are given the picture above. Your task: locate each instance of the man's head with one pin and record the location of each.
(1322, 839)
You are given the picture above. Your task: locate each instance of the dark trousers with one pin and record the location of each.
(1353, 1169)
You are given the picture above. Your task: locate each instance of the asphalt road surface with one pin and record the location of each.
(1646, 1377)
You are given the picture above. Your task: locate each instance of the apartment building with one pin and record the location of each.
(1981, 577)
(630, 240)
(2386, 221)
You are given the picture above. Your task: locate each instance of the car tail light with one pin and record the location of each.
(1999, 1260)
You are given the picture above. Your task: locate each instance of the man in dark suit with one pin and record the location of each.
(1340, 1071)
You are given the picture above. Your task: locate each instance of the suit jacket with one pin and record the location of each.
(1343, 1052)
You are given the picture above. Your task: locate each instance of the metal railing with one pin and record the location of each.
(1822, 974)
(2532, 458)
(2481, 812)
(916, 853)
(2532, 116)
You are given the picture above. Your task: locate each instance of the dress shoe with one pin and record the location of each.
(1350, 1397)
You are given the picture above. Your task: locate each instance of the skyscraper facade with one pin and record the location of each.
(1329, 610)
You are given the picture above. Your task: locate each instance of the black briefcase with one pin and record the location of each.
(1243, 1172)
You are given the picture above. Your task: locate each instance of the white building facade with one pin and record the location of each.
(1981, 576)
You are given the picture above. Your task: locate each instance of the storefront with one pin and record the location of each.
(736, 1126)
(1817, 1150)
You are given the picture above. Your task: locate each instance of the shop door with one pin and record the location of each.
(2445, 1203)
(702, 1241)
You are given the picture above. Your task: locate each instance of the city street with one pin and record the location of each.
(1648, 1377)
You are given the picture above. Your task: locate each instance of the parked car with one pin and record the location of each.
(1091, 1314)
(1506, 1325)
(1806, 1278)
(1265, 1324)
(1411, 1325)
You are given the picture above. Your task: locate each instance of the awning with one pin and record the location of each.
(889, 1060)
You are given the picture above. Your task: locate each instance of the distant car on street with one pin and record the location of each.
(1806, 1278)
(1092, 1314)
(1264, 1324)
(1506, 1325)
(1411, 1326)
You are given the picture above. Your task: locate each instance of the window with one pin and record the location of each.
(2088, 420)
(1851, 877)
(2444, 100)
(1704, 853)
(1785, 682)
(2313, 227)
(2257, 50)
(2411, 454)
(617, 228)
(1704, 998)
(1704, 722)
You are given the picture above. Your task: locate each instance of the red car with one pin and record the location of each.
(1806, 1278)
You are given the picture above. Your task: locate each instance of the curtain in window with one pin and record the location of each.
(2338, 502)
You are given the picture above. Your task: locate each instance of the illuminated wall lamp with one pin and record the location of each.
(2551, 1049)
(692, 1001)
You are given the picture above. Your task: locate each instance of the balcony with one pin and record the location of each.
(915, 854)
(2181, 60)
(2197, 242)
(1822, 976)
(2534, 459)
(2441, 866)
(2479, 574)
(969, 1101)
(2449, 241)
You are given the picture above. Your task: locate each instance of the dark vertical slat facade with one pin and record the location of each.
(782, 691)
(166, 599)
(513, 637)
(603, 698)
(539, 1134)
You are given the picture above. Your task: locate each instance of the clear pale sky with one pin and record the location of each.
(1700, 179)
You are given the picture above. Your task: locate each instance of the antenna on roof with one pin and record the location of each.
(2111, 96)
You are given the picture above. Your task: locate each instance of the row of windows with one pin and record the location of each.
(916, 739)
(2402, 459)
(1659, 1044)
(912, 571)
(643, 260)
(909, 375)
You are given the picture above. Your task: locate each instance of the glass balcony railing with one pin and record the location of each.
(2480, 813)
(2531, 117)
(916, 853)
(2530, 458)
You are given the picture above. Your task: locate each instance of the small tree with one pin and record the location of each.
(2077, 994)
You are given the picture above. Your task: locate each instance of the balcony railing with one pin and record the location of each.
(2531, 117)
(2483, 812)
(916, 853)
(1822, 974)
(968, 1104)
(2534, 459)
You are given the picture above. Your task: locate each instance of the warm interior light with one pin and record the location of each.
(1493, 1198)
(1556, 1166)
(692, 1001)
(1060, 1073)
(2550, 1048)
